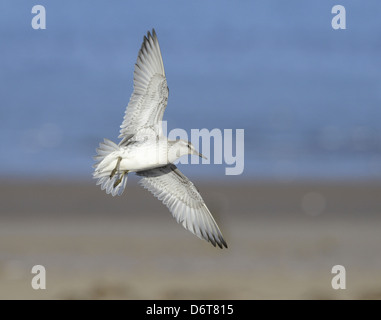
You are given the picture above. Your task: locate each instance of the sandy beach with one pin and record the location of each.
(284, 239)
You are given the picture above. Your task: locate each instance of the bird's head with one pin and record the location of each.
(182, 147)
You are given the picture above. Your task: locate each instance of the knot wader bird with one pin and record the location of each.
(144, 149)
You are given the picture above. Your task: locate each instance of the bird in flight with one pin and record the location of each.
(144, 149)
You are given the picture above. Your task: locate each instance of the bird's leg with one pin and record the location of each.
(120, 179)
(116, 167)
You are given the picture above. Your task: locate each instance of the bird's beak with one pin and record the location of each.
(202, 156)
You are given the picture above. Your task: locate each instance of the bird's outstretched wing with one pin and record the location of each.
(184, 201)
(150, 96)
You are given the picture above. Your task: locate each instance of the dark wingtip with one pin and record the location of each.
(151, 34)
(143, 46)
(211, 240)
(223, 242)
(145, 41)
(220, 242)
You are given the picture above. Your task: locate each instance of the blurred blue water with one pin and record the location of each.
(308, 97)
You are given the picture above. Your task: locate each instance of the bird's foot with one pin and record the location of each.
(113, 172)
(117, 182)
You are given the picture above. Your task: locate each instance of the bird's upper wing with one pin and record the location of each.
(150, 96)
(184, 201)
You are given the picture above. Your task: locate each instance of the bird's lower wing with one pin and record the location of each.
(184, 201)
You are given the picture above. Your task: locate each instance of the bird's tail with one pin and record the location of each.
(107, 170)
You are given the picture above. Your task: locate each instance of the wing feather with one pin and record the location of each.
(184, 201)
(149, 98)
